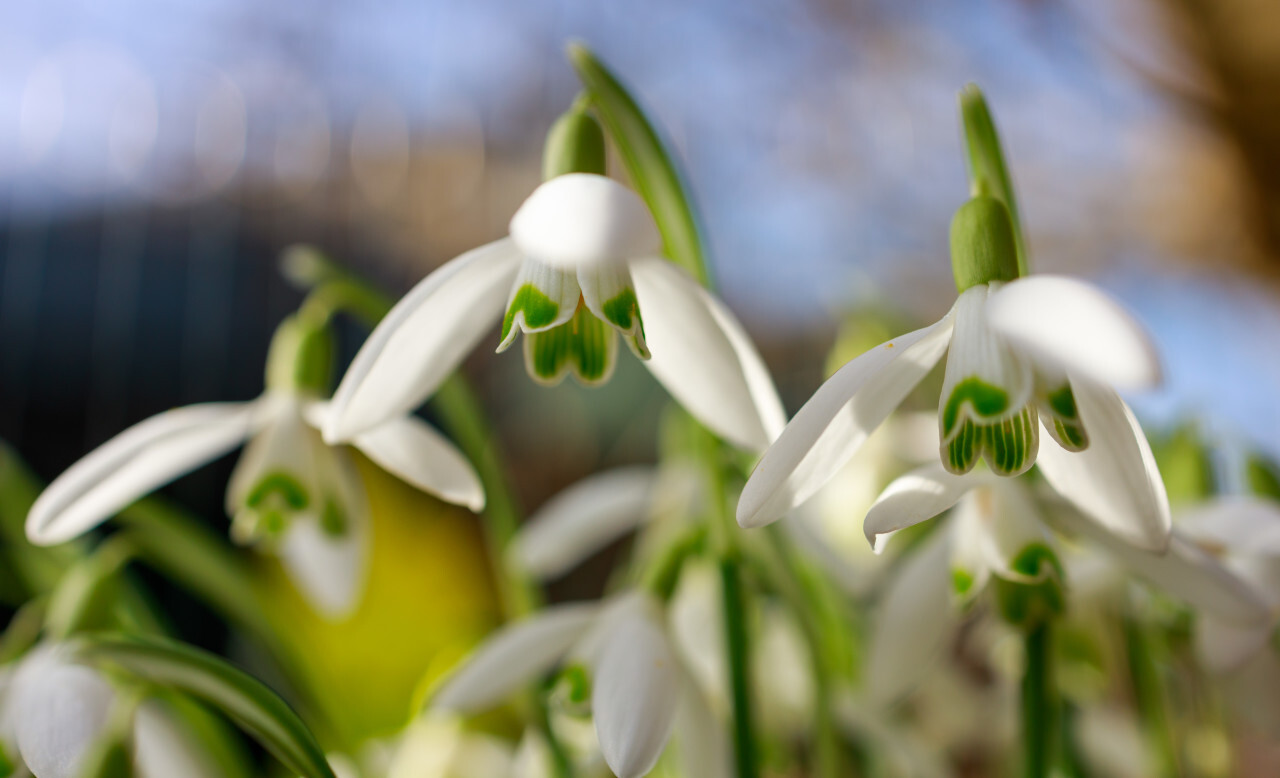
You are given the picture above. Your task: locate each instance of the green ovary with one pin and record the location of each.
(539, 310)
(1009, 446)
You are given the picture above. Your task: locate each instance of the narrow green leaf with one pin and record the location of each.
(988, 172)
(650, 166)
(243, 698)
(87, 596)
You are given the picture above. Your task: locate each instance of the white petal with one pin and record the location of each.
(696, 618)
(144, 457)
(834, 422)
(64, 709)
(283, 444)
(581, 219)
(635, 695)
(913, 619)
(330, 569)
(1114, 480)
(556, 285)
(514, 655)
(915, 497)
(704, 358)
(423, 339)
(1225, 645)
(1066, 322)
(1184, 571)
(1241, 524)
(164, 748)
(410, 449)
(971, 547)
(583, 519)
(1013, 525)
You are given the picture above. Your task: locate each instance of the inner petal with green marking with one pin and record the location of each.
(542, 297)
(609, 293)
(986, 410)
(584, 346)
(1058, 404)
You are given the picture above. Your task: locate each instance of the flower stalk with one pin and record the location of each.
(1038, 702)
(988, 173)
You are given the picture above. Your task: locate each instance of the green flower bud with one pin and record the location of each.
(575, 144)
(982, 243)
(301, 357)
(1028, 605)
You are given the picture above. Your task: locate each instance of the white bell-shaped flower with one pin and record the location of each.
(582, 265)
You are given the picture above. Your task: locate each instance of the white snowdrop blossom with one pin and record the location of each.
(581, 266)
(639, 688)
(290, 492)
(53, 712)
(1001, 529)
(1032, 352)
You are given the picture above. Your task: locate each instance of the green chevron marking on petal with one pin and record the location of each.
(539, 309)
(985, 399)
(1009, 446)
(278, 482)
(333, 520)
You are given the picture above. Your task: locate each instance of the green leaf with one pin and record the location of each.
(244, 699)
(987, 169)
(87, 596)
(650, 166)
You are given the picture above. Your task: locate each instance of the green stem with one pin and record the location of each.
(1037, 702)
(1149, 697)
(988, 172)
(735, 634)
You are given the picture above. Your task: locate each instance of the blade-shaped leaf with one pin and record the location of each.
(650, 166)
(243, 698)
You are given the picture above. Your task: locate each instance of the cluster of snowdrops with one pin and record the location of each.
(1013, 602)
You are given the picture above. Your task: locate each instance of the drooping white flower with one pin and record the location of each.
(290, 491)
(1037, 351)
(639, 687)
(582, 265)
(54, 711)
(1000, 529)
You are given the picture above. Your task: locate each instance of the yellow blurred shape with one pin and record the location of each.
(428, 597)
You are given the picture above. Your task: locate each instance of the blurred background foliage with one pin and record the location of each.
(156, 158)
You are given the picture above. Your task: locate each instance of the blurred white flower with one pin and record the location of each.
(290, 490)
(1000, 528)
(582, 264)
(54, 711)
(1038, 350)
(639, 686)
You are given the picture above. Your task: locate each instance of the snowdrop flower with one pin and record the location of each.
(54, 711)
(639, 687)
(290, 491)
(1001, 531)
(582, 266)
(1021, 353)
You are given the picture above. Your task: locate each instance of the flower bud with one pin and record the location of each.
(982, 243)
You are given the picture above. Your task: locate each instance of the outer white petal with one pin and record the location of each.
(410, 449)
(144, 457)
(582, 219)
(164, 749)
(1184, 571)
(1224, 645)
(330, 570)
(704, 358)
(635, 694)
(1115, 480)
(1077, 327)
(583, 519)
(834, 422)
(423, 339)
(514, 655)
(913, 619)
(64, 708)
(1243, 525)
(915, 497)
